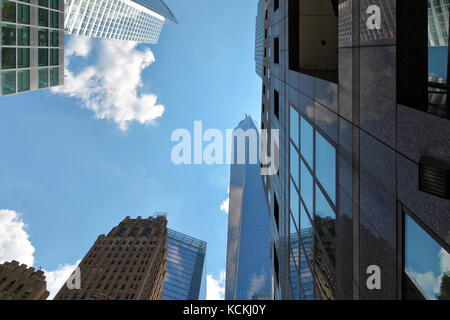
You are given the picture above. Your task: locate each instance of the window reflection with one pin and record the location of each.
(427, 265)
(294, 126)
(294, 202)
(306, 143)
(294, 164)
(305, 222)
(306, 188)
(325, 224)
(326, 166)
(438, 57)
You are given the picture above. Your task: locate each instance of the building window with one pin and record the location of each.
(23, 13)
(427, 271)
(54, 19)
(423, 77)
(276, 49)
(8, 34)
(123, 232)
(313, 38)
(8, 82)
(9, 11)
(43, 37)
(276, 5)
(8, 58)
(23, 36)
(43, 17)
(276, 103)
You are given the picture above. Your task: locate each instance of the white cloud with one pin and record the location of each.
(215, 288)
(225, 206)
(428, 282)
(56, 278)
(78, 46)
(15, 245)
(110, 86)
(444, 260)
(14, 240)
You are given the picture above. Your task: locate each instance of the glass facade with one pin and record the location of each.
(139, 20)
(186, 268)
(249, 245)
(427, 264)
(26, 48)
(299, 265)
(360, 113)
(313, 180)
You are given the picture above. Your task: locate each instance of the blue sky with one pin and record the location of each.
(72, 176)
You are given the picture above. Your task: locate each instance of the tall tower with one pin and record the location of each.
(364, 180)
(127, 264)
(186, 268)
(248, 251)
(134, 20)
(18, 282)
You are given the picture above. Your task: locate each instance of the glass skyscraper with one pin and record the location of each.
(32, 45)
(364, 177)
(248, 252)
(186, 268)
(134, 20)
(438, 23)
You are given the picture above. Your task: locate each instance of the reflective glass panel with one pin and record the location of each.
(43, 17)
(306, 188)
(8, 11)
(8, 82)
(43, 57)
(294, 164)
(306, 143)
(54, 4)
(54, 38)
(23, 79)
(324, 221)
(23, 36)
(23, 13)
(43, 77)
(8, 34)
(305, 222)
(54, 57)
(8, 58)
(427, 264)
(294, 202)
(326, 166)
(54, 19)
(294, 126)
(43, 37)
(23, 57)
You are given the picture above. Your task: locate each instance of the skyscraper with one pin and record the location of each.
(248, 248)
(365, 161)
(186, 268)
(32, 45)
(438, 23)
(127, 264)
(134, 20)
(18, 282)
